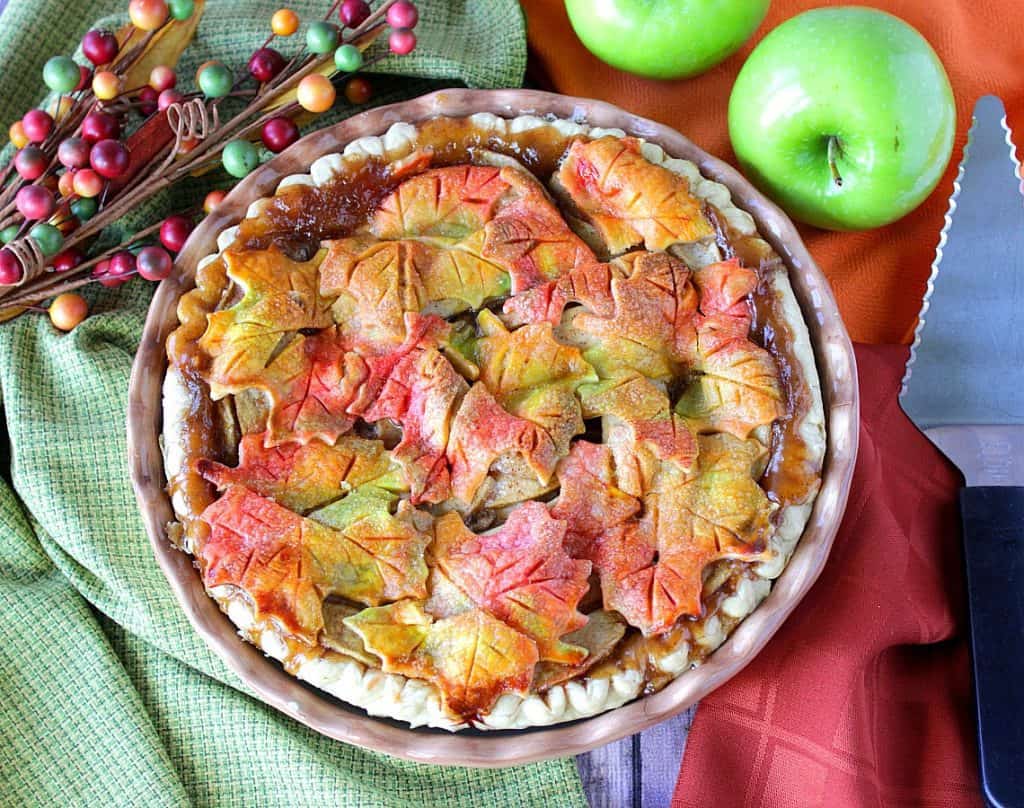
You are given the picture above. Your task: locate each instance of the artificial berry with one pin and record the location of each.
(30, 163)
(212, 200)
(239, 158)
(162, 78)
(147, 15)
(99, 125)
(214, 79)
(285, 22)
(10, 268)
(354, 12)
(279, 133)
(358, 90)
(321, 37)
(66, 184)
(9, 233)
(100, 47)
(37, 125)
(35, 202)
(168, 97)
(403, 14)
(17, 135)
(73, 153)
(402, 41)
(88, 183)
(149, 100)
(84, 209)
(154, 263)
(67, 259)
(174, 232)
(121, 264)
(315, 93)
(106, 86)
(60, 106)
(101, 272)
(47, 237)
(109, 158)
(60, 74)
(181, 9)
(265, 64)
(84, 78)
(68, 310)
(348, 58)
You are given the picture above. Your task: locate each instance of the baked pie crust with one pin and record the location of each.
(492, 423)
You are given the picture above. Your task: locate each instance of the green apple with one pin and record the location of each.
(844, 116)
(665, 39)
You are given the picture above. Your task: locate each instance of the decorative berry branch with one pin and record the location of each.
(78, 168)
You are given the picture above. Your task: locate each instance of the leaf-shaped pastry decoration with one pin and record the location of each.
(599, 636)
(520, 573)
(651, 567)
(164, 48)
(643, 447)
(472, 657)
(288, 564)
(628, 200)
(588, 284)
(305, 476)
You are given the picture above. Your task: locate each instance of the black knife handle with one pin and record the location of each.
(993, 522)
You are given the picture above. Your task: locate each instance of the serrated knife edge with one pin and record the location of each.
(948, 222)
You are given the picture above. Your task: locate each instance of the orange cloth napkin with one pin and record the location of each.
(878, 276)
(863, 697)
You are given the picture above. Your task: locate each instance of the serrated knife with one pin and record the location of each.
(964, 387)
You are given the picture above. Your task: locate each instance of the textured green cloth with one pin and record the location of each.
(107, 695)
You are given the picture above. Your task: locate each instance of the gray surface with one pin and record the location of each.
(968, 366)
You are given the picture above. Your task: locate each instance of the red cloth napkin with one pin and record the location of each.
(863, 697)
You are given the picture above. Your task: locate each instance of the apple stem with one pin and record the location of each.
(834, 150)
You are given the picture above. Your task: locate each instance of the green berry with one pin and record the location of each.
(348, 59)
(84, 209)
(239, 158)
(9, 233)
(61, 74)
(215, 80)
(47, 237)
(181, 9)
(321, 37)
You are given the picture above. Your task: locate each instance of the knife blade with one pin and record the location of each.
(964, 387)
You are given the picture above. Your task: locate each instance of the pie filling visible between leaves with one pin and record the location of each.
(501, 413)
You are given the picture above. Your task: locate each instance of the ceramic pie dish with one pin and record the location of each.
(492, 411)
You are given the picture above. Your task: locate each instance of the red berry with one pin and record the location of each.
(168, 97)
(10, 268)
(101, 272)
(98, 125)
(149, 100)
(73, 153)
(279, 133)
(154, 263)
(30, 163)
(67, 259)
(109, 158)
(162, 78)
(84, 78)
(37, 125)
(354, 12)
(122, 264)
(402, 41)
(403, 14)
(35, 202)
(265, 64)
(213, 199)
(358, 90)
(88, 183)
(99, 47)
(174, 231)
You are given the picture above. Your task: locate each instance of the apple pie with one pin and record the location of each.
(491, 423)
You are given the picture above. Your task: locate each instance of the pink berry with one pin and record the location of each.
(98, 125)
(10, 268)
(73, 153)
(101, 272)
(168, 97)
(279, 133)
(122, 264)
(265, 64)
(402, 41)
(67, 259)
(109, 158)
(149, 100)
(354, 12)
(154, 263)
(162, 78)
(99, 47)
(35, 202)
(174, 232)
(403, 15)
(30, 163)
(88, 183)
(37, 125)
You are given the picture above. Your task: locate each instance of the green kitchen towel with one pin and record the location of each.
(107, 695)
